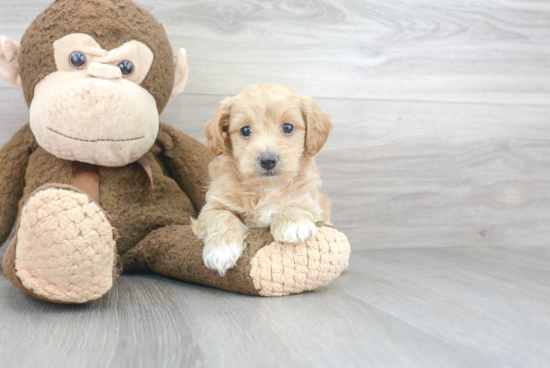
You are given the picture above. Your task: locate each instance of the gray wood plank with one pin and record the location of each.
(484, 307)
(478, 51)
(468, 297)
(433, 174)
(418, 174)
(136, 325)
(482, 51)
(441, 140)
(405, 173)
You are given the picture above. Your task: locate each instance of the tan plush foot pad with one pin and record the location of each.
(281, 269)
(65, 248)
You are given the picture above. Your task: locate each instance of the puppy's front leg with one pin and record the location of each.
(223, 234)
(293, 225)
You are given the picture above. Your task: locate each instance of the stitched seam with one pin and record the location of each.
(97, 140)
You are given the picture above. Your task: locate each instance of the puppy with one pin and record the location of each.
(265, 174)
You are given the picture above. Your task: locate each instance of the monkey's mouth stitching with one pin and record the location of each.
(96, 140)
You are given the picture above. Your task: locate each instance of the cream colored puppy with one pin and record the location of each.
(265, 174)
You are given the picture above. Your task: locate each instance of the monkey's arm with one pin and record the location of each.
(187, 160)
(14, 157)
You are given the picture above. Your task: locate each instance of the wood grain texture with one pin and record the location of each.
(482, 307)
(424, 174)
(477, 51)
(412, 174)
(403, 170)
(441, 140)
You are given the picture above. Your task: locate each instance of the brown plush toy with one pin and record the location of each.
(97, 186)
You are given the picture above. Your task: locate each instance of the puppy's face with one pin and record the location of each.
(268, 129)
(267, 134)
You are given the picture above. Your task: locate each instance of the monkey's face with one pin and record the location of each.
(92, 109)
(96, 74)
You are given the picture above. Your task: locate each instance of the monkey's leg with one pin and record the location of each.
(266, 268)
(63, 250)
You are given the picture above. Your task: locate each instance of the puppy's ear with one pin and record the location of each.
(215, 127)
(318, 126)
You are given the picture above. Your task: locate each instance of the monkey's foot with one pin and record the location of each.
(266, 267)
(286, 268)
(65, 249)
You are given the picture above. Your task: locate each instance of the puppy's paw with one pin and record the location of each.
(221, 257)
(293, 229)
(294, 232)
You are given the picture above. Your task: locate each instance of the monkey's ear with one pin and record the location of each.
(214, 129)
(9, 60)
(182, 71)
(318, 126)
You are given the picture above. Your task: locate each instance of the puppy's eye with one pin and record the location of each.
(77, 60)
(246, 131)
(288, 128)
(126, 67)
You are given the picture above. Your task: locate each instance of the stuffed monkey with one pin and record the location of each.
(96, 185)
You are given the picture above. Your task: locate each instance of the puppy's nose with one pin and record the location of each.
(268, 160)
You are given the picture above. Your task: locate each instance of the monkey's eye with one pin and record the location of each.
(288, 128)
(246, 131)
(77, 60)
(126, 67)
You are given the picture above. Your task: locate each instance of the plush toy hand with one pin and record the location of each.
(9, 60)
(293, 225)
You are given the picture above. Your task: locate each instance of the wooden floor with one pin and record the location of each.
(452, 307)
(439, 172)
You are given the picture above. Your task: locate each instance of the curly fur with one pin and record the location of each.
(242, 194)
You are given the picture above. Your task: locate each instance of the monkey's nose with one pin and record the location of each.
(104, 71)
(268, 160)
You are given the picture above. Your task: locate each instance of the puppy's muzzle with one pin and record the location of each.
(268, 160)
